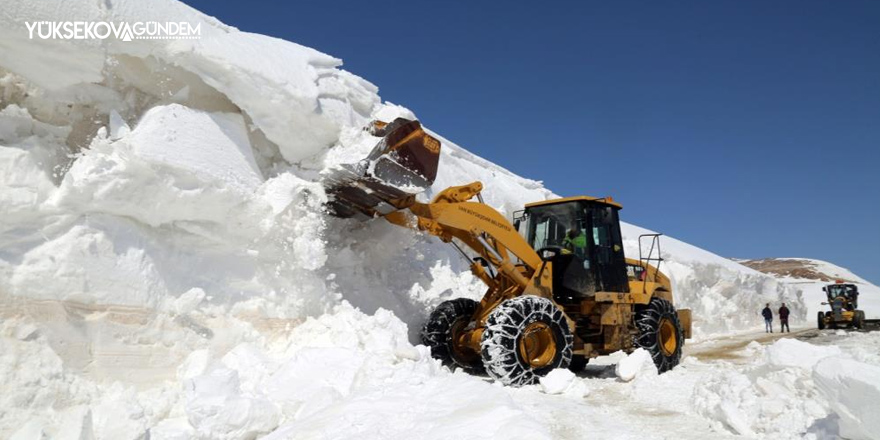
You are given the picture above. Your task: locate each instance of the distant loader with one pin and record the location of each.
(844, 301)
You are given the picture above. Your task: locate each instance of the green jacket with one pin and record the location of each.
(576, 243)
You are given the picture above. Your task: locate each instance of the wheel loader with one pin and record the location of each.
(844, 301)
(560, 289)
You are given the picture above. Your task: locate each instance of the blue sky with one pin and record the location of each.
(748, 128)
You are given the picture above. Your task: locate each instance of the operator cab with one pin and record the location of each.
(581, 236)
(849, 293)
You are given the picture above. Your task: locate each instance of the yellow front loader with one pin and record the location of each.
(560, 289)
(843, 298)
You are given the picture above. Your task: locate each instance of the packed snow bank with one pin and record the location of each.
(853, 390)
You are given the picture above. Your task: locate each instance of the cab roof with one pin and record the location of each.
(603, 200)
(844, 284)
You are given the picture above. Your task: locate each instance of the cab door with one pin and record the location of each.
(606, 243)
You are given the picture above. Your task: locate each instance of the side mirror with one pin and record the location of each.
(823, 289)
(824, 303)
(516, 223)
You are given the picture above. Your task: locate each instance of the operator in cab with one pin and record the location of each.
(575, 241)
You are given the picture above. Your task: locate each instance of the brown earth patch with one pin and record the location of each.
(788, 268)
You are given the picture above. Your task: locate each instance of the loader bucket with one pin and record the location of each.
(403, 164)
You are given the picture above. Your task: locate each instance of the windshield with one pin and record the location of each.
(556, 225)
(847, 291)
(588, 233)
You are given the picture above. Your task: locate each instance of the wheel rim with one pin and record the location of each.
(537, 347)
(668, 338)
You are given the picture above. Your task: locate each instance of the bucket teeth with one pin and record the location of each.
(402, 164)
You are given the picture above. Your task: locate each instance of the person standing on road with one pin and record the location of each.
(768, 319)
(783, 319)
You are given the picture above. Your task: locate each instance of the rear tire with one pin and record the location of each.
(660, 333)
(821, 321)
(525, 338)
(439, 331)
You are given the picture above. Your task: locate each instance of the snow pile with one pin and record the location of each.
(853, 389)
(341, 375)
(749, 403)
(791, 387)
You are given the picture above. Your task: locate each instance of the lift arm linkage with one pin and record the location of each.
(452, 215)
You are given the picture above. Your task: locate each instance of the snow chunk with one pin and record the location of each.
(26, 332)
(638, 363)
(172, 429)
(76, 424)
(189, 301)
(194, 365)
(793, 353)
(557, 381)
(314, 379)
(853, 390)
(216, 407)
(91, 264)
(177, 164)
(31, 430)
(214, 146)
(118, 126)
(563, 381)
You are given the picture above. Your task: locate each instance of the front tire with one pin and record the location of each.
(444, 324)
(859, 319)
(525, 338)
(821, 321)
(660, 333)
